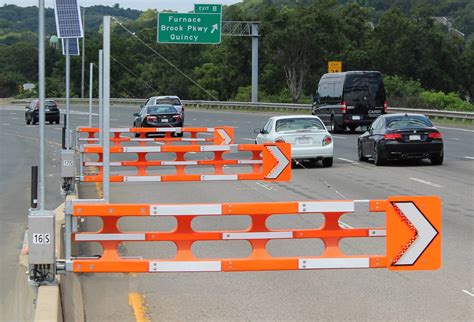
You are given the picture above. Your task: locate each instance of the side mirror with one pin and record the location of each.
(258, 131)
(136, 114)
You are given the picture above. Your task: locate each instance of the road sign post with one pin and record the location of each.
(189, 28)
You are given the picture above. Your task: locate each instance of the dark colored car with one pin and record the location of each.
(401, 136)
(51, 112)
(158, 116)
(349, 99)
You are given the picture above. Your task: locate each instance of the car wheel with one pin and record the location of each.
(334, 127)
(28, 121)
(57, 121)
(179, 135)
(360, 152)
(353, 128)
(437, 160)
(378, 159)
(50, 122)
(137, 135)
(327, 162)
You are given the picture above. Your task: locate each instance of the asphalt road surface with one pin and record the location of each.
(376, 294)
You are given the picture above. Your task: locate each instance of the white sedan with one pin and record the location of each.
(309, 138)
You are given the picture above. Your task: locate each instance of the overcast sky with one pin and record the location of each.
(178, 5)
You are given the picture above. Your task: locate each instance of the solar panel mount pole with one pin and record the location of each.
(91, 79)
(106, 116)
(83, 51)
(68, 66)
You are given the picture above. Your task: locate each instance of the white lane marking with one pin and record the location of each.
(12, 113)
(6, 124)
(265, 186)
(427, 182)
(339, 137)
(15, 118)
(453, 128)
(248, 139)
(347, 160)
(471, 293)
(114, 120)
(472, 158)
(455, 139)
(344, 225)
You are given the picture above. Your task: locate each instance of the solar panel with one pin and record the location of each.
(68, 19)
(73, 46)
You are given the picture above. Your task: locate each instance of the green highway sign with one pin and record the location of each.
(189, 28)
(207, 8)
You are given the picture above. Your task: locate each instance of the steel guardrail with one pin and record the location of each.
(269, 106)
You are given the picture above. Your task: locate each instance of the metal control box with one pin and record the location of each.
(67, 164)
(41, 239)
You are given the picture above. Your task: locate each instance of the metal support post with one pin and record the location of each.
(34, 187)
(106, 115)
(41, 88)
(91, 79)
(83, 51)
(68, 76)
(255, 62)
(101, 93)
(41, 255)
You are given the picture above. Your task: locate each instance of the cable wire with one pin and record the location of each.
(133, 74)
(164, 58)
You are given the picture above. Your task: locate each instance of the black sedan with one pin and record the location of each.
(162, 115)
(51, 112)
(399, 137)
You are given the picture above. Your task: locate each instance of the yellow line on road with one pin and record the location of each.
(137, 302)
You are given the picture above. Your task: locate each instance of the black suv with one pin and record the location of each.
(51, 112)
(349, 99)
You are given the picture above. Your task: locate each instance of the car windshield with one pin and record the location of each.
(171, 101)
(49, 103)
(298, 124)
(162, 109)
(408, 122)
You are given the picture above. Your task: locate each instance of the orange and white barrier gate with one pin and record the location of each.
(197, 135)
(270, 162)
(412, 232)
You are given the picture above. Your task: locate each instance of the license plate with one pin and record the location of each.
(356, 117)
(303, 141)
(164, 120)
(375, 112)
(415, 137)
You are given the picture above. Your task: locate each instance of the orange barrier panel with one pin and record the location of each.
(220, 135)
(270, 162)
(413, 235)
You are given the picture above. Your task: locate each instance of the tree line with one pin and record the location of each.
(297, 39)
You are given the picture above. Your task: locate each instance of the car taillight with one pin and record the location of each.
(279, 139)
(385, 106)
(151, 118)
(37, 106)
(344, 108)
(435, 135)
(327, 140)
(392, 136)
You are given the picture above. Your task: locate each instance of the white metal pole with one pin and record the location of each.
(106, 116)
(254, 62)
(101, 93)
(41, 94)
(91, 79)
(68, 76)
(83, 50)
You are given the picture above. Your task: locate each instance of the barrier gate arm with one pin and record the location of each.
(270, 162)
(222, 135)
(413, 235)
